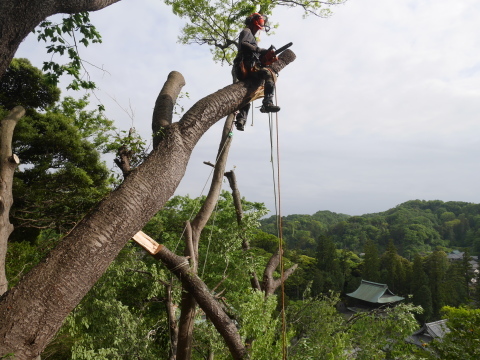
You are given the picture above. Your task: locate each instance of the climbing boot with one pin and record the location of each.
(240, 124)
(268, 106)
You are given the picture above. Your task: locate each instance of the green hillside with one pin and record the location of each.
(416, 226)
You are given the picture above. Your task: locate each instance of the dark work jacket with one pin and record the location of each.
(248, 51)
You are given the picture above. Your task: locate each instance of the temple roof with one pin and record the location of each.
(429, 332)
(374, 293)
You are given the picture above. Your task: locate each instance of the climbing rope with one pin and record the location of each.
(277, 196)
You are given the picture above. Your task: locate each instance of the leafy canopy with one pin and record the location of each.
(25, 85)
(217, 23)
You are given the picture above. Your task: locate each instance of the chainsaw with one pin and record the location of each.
(270, 56)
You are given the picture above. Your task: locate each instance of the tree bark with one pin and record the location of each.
(8, 164)
(34, 310)
(172, 322)
(18, 18)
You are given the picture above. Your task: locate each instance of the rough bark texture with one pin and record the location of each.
(18, 18)
(172, 322)
(34, 310)
(8, 164)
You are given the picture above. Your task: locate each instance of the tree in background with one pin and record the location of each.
(456, 284)
(396, 270)
(62, 175)
(381, 334)
(25, 85)
(436, 265)
(371, 262)
(330, 276)
(378, 334)
(319, 329)
(422, 295)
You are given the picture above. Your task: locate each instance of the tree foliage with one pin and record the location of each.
(415, 227)
(62, 40)
(217, 23)
(25, 85)
(62, 175)
(463, 336)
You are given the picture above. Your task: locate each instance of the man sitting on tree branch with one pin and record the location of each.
(253, 61)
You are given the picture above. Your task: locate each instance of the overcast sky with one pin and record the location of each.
(380, 107)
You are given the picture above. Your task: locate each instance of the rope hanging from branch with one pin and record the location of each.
(277, 196)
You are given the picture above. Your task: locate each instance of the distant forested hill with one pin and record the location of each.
(415, 226)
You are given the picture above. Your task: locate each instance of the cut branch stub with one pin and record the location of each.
(14, 159)
(165, 103)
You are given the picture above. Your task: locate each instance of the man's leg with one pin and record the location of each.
(241, 118)
(269, 89)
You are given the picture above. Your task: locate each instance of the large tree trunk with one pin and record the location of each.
(34, 310)
(18, 18)
(8, 164)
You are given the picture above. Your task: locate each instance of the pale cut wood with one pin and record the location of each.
(14, 159)
(147, 242)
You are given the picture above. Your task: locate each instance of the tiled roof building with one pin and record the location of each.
(374, 294)
(429, 332)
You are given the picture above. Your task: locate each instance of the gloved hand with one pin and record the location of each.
(261, 51)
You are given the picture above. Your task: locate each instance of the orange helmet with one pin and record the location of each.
(257, 21)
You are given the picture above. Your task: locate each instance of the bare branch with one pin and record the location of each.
(165, 103)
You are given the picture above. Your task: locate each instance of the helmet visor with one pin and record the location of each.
(264, 23)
